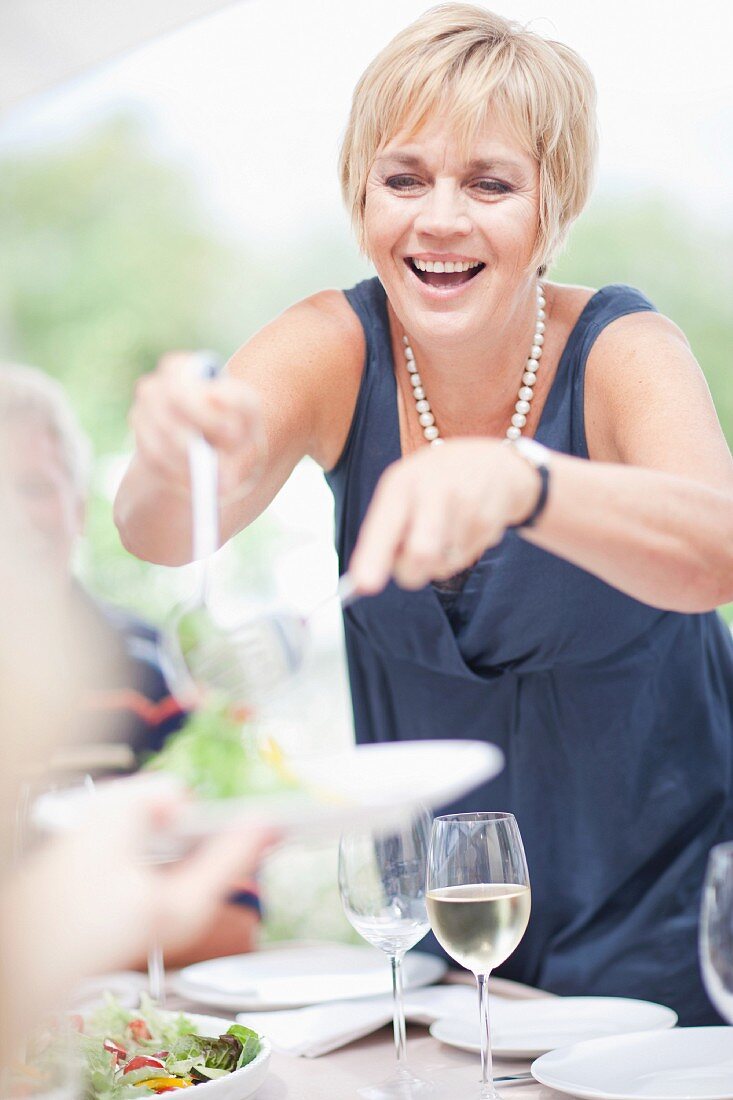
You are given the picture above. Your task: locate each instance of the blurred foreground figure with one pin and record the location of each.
(46, 463)
(84, 902)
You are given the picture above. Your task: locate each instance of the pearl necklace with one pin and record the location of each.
(526, 390)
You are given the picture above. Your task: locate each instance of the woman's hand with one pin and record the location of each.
(173, 403)
(436, 511)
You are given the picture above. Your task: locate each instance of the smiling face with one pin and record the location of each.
(452, 233)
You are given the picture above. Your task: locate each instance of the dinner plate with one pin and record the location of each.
(243, 1082)
(300, 973)
(689, 1063)
(362, 786)
(525, 1029)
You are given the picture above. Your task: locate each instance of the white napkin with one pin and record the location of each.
(318, 1029)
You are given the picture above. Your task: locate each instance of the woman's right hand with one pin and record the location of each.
(173, 404)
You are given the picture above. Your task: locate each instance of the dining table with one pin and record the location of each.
(367, 1061)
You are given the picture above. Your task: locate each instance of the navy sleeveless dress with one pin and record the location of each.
(615, 718)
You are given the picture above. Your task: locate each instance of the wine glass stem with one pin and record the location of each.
(398, 1015)
(487, 1074)
(156, 974)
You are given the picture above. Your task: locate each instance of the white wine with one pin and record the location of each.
(480, 924)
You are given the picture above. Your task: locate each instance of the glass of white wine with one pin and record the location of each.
(382, 882)
(478, 902)
(716, 929)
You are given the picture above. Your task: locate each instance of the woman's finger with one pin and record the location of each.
(422, 555)
(381, 532)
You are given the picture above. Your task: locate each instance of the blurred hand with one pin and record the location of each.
(436, 511)
(88, 902)
(173, 403)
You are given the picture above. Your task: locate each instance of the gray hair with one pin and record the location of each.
(30, 393)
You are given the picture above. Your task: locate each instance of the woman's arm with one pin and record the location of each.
(652, 514)
(295, 382)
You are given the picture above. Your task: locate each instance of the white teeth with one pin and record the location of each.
(449, 266)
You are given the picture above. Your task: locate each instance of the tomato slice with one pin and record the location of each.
(118, 1053)
(139, 1030)
(141, 1060)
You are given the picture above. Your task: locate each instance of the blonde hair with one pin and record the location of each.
(27, 393)
(464, 59)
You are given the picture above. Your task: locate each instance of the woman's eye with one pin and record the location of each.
(402, 183)
(492, 187)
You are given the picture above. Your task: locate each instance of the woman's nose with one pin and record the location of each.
(442, 212)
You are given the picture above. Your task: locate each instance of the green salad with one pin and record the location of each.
(118, 1054)
(217, 755)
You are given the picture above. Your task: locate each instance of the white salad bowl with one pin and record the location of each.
(235, 1086)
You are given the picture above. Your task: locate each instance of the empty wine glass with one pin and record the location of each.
(382, 883)
(716, 930)
(478, 901)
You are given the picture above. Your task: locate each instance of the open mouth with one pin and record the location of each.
(446, 273)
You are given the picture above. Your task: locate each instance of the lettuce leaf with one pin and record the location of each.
(250, 1041)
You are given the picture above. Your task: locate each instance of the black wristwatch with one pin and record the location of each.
(540, 458)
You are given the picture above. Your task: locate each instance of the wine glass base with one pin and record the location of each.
(402, 1085)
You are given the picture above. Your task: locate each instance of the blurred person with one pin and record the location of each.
(47, 463)
(123, 696)
(531, 484)
(82, 902)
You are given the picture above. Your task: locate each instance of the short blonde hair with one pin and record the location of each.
(27, 393)
(464, 59)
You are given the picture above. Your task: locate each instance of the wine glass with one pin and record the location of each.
(382, 884)
(716, 929)
(478, 900)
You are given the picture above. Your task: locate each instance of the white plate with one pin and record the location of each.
(300, 973)
(524, 1029)
(380, 783)
(688, 1063)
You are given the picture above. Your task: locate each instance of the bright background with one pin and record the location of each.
(183, 194)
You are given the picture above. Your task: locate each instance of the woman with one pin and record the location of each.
(557, 599)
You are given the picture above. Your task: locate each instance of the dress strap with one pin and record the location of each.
(608, 305)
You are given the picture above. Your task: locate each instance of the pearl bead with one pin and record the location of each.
(426, 418)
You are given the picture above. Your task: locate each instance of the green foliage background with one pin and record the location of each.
(109, 259)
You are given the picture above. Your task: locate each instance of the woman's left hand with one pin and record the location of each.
(436, 511)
